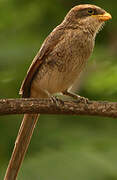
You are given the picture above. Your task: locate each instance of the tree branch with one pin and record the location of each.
(47, 106)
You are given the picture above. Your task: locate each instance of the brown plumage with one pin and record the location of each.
(56, 67)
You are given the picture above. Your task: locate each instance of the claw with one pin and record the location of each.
(56, 100)
(82, 99)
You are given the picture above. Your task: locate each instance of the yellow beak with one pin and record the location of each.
(104, 17)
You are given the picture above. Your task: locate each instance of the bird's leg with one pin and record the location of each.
(54, 99)
(75, 96)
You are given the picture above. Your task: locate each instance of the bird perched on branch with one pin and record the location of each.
(56, 67)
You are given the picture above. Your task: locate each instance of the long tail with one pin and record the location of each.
(21, 145)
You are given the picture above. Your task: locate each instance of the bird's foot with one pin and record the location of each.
(82, 99)
(76, 97)
(56, 100)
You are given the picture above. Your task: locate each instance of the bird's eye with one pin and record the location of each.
(90, 11)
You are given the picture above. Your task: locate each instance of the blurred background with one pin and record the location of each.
(62, 147)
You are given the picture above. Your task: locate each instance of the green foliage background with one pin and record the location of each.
(62, 147)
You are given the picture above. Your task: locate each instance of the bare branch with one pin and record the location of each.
(44, 106)
(47, 106)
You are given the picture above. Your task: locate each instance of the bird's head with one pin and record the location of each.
(89, 18)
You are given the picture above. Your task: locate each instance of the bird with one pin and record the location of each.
(56, 67)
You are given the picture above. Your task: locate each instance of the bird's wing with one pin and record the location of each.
(48, 45)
